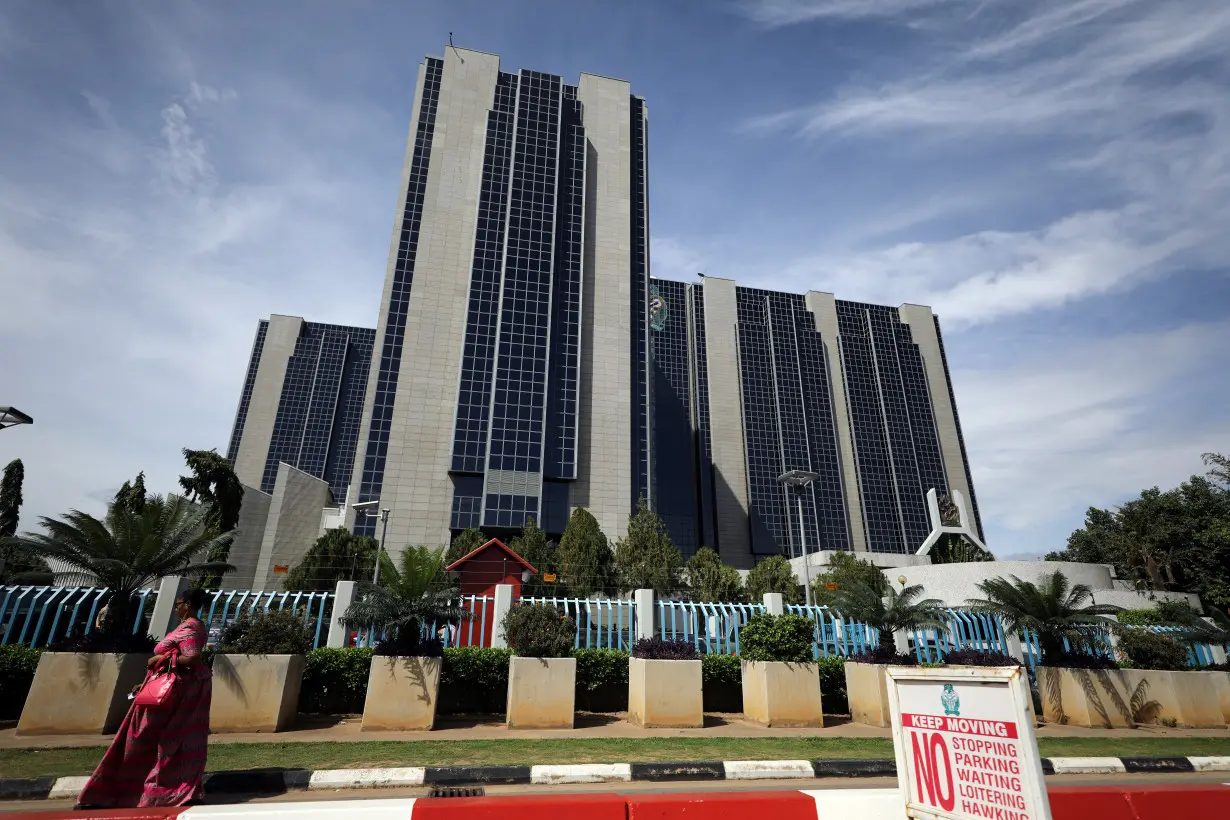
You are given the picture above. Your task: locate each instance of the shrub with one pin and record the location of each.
(410, 644)
(1153, 650)
(335, 681)
(722, 680)
(884, 656)
(474, 681)
(602, 680)
(777, 638)
(1140, 617)
(833, 684)
(539, 631)
(977, 657)
(17, 666)
(661, 649)
(266, 633)
(1078, 660)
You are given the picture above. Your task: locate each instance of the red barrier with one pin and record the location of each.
(784, 805)
(530, 807)
(1190, 801)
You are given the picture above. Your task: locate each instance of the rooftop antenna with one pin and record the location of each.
(453, 47)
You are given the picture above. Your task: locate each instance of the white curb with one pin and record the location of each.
(67, 787)
(581, 773)
(367, 778)
(1087, 765)
(767, 769)
(1210, 764)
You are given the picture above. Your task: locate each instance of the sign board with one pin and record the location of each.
(965, 744)
(280, 569)
(548, 576)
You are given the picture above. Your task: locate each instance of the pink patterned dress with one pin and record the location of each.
(158, 755)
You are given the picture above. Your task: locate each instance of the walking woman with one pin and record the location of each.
(158, 756)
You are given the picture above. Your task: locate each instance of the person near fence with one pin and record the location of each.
(158, 755)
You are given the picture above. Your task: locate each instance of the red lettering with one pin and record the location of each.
(946, 803)
(924, 771)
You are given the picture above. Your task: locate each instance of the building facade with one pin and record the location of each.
(751, 384)
(301, 403)
(510, 379)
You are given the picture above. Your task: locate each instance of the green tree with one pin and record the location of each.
(1219, 468)
(10, 497)
(646, 558)
(126, 550)
(131, 495)
(1173, 539)
(212, 482)
(1054, 608)
(338, 555)
(412, 594)
(534, 546)
(584, 556)
(774, 574)
(711, 580)
(888, 611)
(844, 570)
(465, 542)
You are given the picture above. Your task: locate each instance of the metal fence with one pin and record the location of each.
(713, 628)
(602, 623)
(224, 607)
(966, 631)
(40, 615)
(833, 635)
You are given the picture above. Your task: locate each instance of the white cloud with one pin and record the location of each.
(1092, 424)
(788, 12)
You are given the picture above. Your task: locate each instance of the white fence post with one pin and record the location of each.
(160, 619)
(343, 597)
(501, 607)
(773, 603)
(1015, 648)
(642, 600)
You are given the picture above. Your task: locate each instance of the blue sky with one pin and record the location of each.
(1052, 176)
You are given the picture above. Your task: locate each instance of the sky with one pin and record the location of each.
(1052, 176)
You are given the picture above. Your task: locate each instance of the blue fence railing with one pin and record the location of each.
(38, 616)
(833, 635)
(223, 607)
(713, 628)
(602, 623)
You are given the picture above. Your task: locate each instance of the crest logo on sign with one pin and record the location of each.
(951, 701)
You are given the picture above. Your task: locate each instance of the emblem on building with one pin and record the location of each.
(657, 309)
(951, 701)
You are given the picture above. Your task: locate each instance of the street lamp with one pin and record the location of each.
(370, 508)
(11, 417)
(801, 479)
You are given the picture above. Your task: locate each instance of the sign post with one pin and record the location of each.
(965, 744)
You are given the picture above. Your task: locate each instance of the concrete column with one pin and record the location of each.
(343, 597)
(503, 603)
(774, 604)
(643, 601)
(902, 637)
(162, 619)
(1015, 649)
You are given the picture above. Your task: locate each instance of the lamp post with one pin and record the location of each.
(800, 479)
(370, 508)
(11, 417)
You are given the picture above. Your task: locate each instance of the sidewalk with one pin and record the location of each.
(347, 729)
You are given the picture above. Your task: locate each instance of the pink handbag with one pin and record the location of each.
(158, 691)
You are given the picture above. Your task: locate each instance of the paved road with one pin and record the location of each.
(652, 788)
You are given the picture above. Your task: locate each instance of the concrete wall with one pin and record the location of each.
(824, 307)
(253, 449)
(416, 488)
(726, 422)
(922, 329)
(249, 535)
(604, 475)
(293, 523)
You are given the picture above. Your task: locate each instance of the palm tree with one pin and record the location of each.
(409, 596)
(1054, 608)
(1195, 629)
(128, 550)
(888, 611)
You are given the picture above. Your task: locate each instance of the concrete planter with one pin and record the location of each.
(80, 693)
(1125, 697)
(867, 693)
(255, 693)
(541, 693)
(1221, 685)
(402, 693)
(665, 694)
(782, 694)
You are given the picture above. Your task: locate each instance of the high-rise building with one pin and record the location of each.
(751, 384)
(510, 379)
(525, 363)
(301, 402)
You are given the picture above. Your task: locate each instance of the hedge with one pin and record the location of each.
(335, 681)
(17, 665)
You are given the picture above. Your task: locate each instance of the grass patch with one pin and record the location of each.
(370, 754)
